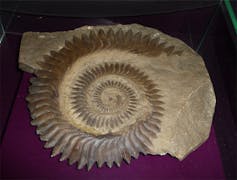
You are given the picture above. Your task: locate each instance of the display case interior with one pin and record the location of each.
(207, 29)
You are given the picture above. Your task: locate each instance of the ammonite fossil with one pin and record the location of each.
(94, 101)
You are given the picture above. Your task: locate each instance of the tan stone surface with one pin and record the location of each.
(184, 83)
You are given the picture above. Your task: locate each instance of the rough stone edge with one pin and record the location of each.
(208, 100)
(30, 66)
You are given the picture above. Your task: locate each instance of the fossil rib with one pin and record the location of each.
(118, 100)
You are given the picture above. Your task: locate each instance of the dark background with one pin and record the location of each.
(203, 25)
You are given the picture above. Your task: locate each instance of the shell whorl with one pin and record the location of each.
(108, 98)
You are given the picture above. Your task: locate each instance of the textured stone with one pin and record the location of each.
(185, 99)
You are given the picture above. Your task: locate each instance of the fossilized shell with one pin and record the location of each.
(91, 105)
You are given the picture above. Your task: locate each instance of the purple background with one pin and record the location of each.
(23, 156)
(22, 153)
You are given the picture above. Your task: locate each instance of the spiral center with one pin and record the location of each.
(110, 98)
(113, 98)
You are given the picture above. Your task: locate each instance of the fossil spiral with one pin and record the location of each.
(98, 111)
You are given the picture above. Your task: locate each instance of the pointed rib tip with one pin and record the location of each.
(99, 164)
(32, 79)
(117, 163)
(62, 158)
(127, 161)
(53, 155)
(89, 166)
(71, 161)
(80, 167)
(135, 156)
(33, 123)
(47, 145)
(109, 164)
(43, 138)
(38, 132)
(27, 98)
